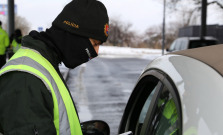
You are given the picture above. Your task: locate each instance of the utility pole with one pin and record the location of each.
(164, 21)
(11, 17)
(203, 29)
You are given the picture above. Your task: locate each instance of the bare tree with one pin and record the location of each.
(172, 31)
(190, 8)
(188, 17)
(120, 34)
(218, 3)
(20, 23)
(153, 35)
(197, 3)
(115, 36)
(128, 36)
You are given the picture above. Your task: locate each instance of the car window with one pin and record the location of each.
(178, 44)
(184, 44)
(172, 46)
(138, 104)
(144, 111)
(153, 107)
(200, 43)
(166, 118)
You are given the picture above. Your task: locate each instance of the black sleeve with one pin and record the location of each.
(26, 106)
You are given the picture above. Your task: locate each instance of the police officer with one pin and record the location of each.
(17, 41)
(4, 43)
(34, 98)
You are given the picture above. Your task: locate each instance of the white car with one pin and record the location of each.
(180, 93)
(184, 43)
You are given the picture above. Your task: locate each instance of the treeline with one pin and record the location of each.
(121, 34)
(20, 23)
(186, 12)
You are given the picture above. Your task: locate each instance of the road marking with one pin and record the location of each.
(81, 96)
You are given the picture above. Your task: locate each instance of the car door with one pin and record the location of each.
(153, 107)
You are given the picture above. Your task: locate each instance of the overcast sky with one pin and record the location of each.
(140, 13)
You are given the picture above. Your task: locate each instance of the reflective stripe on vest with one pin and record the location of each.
(65, 117)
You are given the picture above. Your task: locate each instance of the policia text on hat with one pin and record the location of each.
(34, 98)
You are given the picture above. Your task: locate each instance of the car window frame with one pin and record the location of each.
(124, 124)
(151, 102)
(163, 79)
(167, 81)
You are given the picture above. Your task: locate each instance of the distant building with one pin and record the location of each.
(194, 31)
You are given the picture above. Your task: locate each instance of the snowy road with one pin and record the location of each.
(101, 88)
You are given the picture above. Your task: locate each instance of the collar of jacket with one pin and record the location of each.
(43, 48)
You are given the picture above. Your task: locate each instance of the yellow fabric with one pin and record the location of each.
(4, 41)
(71, 112)
(173, 132)
(170, 111)
(38, 73)
(15, 46)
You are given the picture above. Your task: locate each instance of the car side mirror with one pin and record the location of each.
(95, 127)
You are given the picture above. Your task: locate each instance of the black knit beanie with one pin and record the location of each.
(86, 18)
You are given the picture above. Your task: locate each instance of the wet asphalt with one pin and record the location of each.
(101, 88)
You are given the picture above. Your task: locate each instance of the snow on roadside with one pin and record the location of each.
(127, 52)
(120, 52)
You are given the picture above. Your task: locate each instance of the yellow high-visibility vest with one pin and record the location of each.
(4, 41)
(16, 45)
(65, 116)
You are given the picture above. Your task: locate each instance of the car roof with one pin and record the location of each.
(210, 55)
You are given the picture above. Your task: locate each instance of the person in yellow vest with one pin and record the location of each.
(4, 43)
(17, 41)
(167, 117)
(34, 98)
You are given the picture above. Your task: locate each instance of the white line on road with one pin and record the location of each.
(82, 102)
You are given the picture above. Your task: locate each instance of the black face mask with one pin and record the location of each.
(74, 50)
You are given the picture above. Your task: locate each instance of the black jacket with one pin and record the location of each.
(26, 106)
